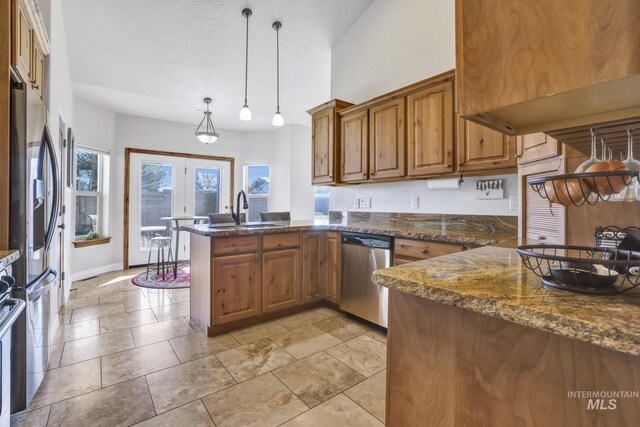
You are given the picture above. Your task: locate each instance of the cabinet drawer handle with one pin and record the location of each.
(425, 251)
(35, 86)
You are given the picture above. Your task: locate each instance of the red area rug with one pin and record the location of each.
(155, 281)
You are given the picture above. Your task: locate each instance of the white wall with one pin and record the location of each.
(287, 150)
(95, 127)
(59, 100)
(391, 45)
(396, 197)
(394, 44)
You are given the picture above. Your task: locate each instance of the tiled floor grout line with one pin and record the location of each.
(363, 408)
(155, 411)
(208, 412)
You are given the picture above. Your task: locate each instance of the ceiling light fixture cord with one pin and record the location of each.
(246, 58)
(277, 117)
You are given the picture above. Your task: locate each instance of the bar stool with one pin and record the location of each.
(160, 242)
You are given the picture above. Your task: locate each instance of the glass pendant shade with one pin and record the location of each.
(278, 120)
(207, 134)
(245, 113)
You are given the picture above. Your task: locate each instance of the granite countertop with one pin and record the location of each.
(493, 281)
(445, 233)
(8, 257)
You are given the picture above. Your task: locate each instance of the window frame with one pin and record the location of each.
(245, 186)
(98, 194)
(320, 196)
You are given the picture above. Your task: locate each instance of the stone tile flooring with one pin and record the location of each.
(125, 356)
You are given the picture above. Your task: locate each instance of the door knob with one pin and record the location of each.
(61, 226)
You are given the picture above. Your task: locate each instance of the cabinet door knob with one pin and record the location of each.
(425, 251)
(257, 258)
(266, 258)
(517, 156)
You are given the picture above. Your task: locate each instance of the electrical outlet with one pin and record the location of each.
(365, 202)
(415, 202)
(356, 204)
(513, 203)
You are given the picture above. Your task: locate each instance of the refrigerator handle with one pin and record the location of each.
(55, 205)
(38, 289)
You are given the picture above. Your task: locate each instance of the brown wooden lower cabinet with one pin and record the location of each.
(314, 266)
(407, 250)
(281, 271)
(448, 366)
(236, 287)
(334, 266)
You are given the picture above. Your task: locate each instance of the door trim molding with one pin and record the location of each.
(127, 165)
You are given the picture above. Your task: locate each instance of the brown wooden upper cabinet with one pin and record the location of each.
(386, 140)
(354, 146)
(22, 39)
(325, 134)
(430, 124)
(483, 149)
(536, 146)
(536, 66)
(37, 70)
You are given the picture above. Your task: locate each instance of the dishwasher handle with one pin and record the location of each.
(368, 240)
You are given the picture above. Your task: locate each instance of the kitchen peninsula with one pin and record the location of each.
(256, 272)
(475, 335)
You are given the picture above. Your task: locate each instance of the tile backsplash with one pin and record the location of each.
(405, 196)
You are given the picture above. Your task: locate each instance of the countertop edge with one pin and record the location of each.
(497, 308)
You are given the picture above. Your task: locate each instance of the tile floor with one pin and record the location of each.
(130, 356)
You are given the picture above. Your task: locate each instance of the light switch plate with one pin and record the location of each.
(415, 202)
(356, 204)
(365, 202)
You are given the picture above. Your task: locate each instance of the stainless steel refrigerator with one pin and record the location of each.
(34, 208)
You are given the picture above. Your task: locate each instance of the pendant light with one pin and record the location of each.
(245, 112)
(208, 135)
(278, 120)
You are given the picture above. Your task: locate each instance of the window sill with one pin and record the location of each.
(92, 242)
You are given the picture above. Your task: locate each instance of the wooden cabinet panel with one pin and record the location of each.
(430, 129)
(314, 266)
(484, 149)
(235, 245)
(518, 63)
(536, 146)
(21, 40)
(322, 138)
(37, 70)
(386, 140)
(419, 249)
(334, 254)
(280, 280)
(236, 287)
(354, 146)
(280, 241)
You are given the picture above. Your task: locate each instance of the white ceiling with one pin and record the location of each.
(159, 58)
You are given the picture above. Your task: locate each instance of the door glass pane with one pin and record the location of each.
(156, 201)
(86, 215)
(207, 191)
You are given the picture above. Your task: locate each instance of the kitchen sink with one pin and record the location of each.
(241, 226)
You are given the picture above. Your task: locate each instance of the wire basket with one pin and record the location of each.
(583, 269)
(610, 236)
(580, 188)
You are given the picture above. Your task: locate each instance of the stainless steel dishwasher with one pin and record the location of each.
(362, 254)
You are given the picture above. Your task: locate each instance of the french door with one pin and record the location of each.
(163, 186)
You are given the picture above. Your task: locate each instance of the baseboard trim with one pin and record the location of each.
(92, 272)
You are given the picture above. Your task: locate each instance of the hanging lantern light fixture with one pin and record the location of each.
(208, 134)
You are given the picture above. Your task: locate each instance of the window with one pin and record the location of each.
(321, 202)
(257, 185)
(90, 190)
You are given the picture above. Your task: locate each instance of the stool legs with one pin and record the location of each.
(149, 259)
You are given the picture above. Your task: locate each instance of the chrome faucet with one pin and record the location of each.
(236, 215)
